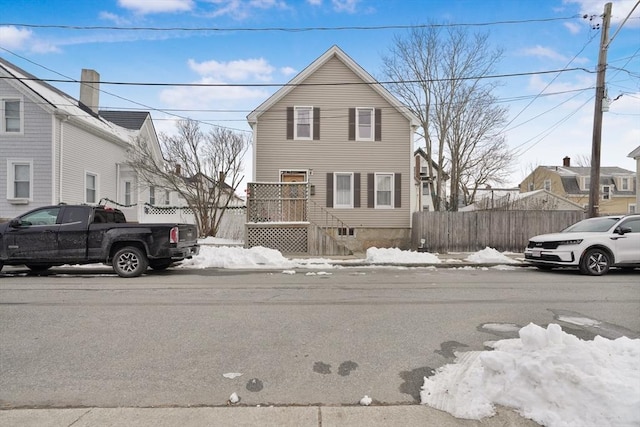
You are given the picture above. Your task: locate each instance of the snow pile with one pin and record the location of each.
(398, 256)
(548, 376)
(490, 255)
(237, 257)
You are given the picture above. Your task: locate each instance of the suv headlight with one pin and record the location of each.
(570, 242)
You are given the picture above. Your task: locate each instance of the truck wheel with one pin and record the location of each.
(130, 262)
(595, 262)
(160, 264)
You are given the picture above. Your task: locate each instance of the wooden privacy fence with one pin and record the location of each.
(472, 231)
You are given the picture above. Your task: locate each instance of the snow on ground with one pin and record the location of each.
(546, 375)
(231, 254)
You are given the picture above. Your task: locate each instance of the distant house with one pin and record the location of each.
(56, 149)
(635, 154)
(425, 183)
(536, 200)
(618, 187)
(337, 136)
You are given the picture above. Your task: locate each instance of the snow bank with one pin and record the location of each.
(398, 256)
(548, 376)
(490, 255)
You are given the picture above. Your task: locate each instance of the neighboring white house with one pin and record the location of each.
(537, 200)
(55, 149)
(425, 183)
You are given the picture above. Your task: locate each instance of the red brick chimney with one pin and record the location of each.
(566, 162)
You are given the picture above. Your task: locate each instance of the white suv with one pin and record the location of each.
(593, 245)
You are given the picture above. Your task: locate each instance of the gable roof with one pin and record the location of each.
(586, 171)
(635, 153)
(60, 103)
(333, 52)
(132, 120)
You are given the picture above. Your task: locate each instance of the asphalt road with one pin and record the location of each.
(89, 338)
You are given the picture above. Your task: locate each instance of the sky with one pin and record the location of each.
(243, 45)
(547, 375)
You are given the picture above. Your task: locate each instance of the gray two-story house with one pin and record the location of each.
(56, 149)
(348, 141)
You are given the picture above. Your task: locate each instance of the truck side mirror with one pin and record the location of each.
(15, 223)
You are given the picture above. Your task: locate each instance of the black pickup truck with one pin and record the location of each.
(82, 234)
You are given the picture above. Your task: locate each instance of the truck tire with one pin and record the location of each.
(129, 262)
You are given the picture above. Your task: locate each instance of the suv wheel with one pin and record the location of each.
(595, 262)
(130, 262)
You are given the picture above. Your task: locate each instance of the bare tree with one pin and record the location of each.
(440, 76)
(205, 169)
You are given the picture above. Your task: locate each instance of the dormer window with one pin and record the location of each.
(625, 184)
(586, 183)
(606, 192)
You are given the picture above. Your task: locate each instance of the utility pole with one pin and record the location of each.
(594, 187)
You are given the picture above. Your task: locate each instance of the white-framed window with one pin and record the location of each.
(12, 115)
(632, 208)
(364, 124)
(384, 191)
(425, 189)
(586, 183)
(152, 195)
(91, 187)
(531, 186)
(343, 190)
(547, 184)
(303, 123)
(167, 197)
(127, 192)
(606, 192)
(19, 180)
(624, 184)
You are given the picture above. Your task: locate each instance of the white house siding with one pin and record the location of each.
(84, 152)
(33, 144)
(334, 152)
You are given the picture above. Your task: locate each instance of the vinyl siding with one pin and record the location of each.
(35, 144)
(85, 152)
(334, 152)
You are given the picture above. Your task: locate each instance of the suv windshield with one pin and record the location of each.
(592, 225)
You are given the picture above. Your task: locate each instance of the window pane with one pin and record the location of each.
(364, 123)
(303, 127)
(21, 190)
(21, 181)
(12, 116)
(343, 190)
(91, 188)
(152, 195)
(383, 190)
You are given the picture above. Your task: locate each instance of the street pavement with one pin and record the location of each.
(281, 416)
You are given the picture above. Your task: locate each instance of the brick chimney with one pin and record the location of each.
(90, 89)
(566, 162)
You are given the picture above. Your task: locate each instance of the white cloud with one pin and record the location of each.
(315, 2)
(241, 69)
(544, 52)
(23, 39)
(573, 27)
(116, 19)
(157, 6)
(14, 38)
(287, 71)
(348, 6)
(208, 97)
(239, 9)
(619, 10)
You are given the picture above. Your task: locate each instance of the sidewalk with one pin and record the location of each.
(280, 416)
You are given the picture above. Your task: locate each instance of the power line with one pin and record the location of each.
(420, 81)
(288, 29)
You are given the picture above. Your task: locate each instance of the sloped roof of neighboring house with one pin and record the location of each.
(635, 153)
(127, 119)
(62, 103)
(510, 198)
(569, 177)
(336, 52)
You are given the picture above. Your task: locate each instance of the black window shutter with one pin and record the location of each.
(329, 189)
(371, 188)
(397, 183)
(316, 123)
(378, 130)
(356, 190)
(352, 124)
(289, 122)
